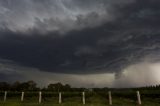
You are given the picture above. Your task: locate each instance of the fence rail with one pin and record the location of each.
(60, 96)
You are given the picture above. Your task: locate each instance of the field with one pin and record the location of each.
(120, 98)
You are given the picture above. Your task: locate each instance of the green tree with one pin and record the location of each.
(4, 86)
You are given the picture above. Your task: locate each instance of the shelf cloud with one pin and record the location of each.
(85, 39)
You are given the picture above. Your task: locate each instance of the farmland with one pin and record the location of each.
(92, 98)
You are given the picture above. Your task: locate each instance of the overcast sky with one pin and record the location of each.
(85, 43)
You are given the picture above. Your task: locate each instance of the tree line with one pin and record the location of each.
(32, 86)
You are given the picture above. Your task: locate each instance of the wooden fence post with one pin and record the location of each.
(60, 98)
(40, 97)
(139, 98)
(22, 96)
(83, 98)
(110, 97)
(5, 96)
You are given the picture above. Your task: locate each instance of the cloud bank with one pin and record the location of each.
(80, 40)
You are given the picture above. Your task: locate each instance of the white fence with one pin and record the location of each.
(139, 102)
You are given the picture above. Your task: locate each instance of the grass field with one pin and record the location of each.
(75, 99)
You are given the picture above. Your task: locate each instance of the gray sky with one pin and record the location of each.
(85, 43)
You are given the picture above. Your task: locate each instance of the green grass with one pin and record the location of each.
(93, 101)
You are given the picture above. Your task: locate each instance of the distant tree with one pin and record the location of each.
(51, 87)
(66, 87)
(29, 85)
(4, 86)
(16, 86)
(55, 87)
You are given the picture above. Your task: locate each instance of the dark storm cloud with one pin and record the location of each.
(57, 15)
(102, 45)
